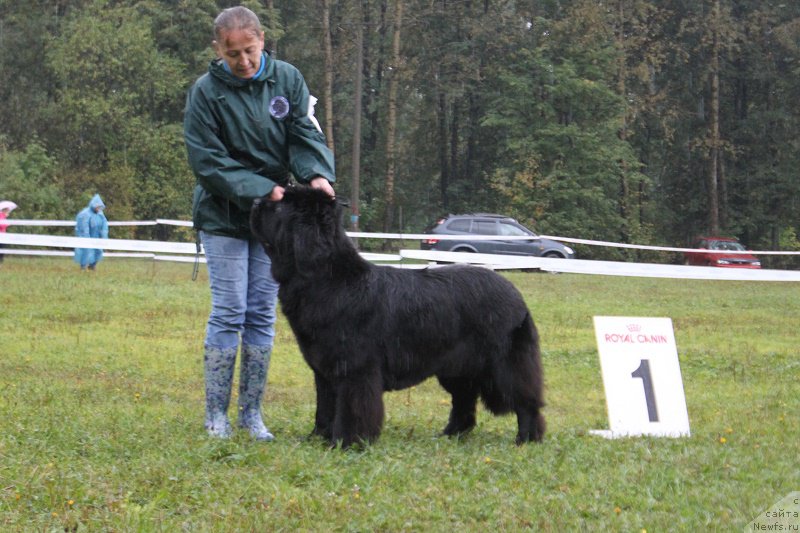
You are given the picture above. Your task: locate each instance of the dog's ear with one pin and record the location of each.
(257, 215)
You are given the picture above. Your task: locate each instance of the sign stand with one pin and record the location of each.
(641, 377)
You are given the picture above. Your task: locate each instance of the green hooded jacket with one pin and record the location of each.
(243, 137)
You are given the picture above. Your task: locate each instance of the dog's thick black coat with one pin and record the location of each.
(365, 329)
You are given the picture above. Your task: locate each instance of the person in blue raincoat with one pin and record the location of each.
(91, 222)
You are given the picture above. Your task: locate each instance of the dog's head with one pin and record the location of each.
(300, 232)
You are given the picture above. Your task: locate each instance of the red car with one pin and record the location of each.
(716, 251)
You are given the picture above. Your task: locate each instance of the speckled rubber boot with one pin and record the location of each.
(218, 365)
(252, 381)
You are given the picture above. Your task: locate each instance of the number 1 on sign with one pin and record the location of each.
(643, 373)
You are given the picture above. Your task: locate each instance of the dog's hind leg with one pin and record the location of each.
(531, 424)
(465, 398)
(528, 401)
(359, 409)
(527, 382)
(516, 383)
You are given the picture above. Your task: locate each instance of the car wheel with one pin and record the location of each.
(553, 255)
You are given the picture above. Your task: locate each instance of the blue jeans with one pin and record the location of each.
(243, 293)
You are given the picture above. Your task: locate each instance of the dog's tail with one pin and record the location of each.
(517, 377)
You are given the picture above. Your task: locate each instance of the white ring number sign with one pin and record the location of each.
(641, 377)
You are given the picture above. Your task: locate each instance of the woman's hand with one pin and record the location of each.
(317, 183)
(321, 183)
(277, 193)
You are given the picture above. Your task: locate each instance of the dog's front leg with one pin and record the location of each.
(359, 409)
(326, 407)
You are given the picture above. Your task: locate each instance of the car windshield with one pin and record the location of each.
(727, 246)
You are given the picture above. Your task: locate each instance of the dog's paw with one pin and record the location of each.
(322, 432)
(535, 433)
(458, 427)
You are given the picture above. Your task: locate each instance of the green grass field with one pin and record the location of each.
(101, 412)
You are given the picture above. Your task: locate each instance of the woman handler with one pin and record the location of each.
(248, 126)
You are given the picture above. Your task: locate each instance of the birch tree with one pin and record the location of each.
(391, 122)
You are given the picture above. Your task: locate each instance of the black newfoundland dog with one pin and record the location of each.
(365, 329)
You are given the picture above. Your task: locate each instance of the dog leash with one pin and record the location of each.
(196, 257)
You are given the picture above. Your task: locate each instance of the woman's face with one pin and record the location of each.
(241, 50)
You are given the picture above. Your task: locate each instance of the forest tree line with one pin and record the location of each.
(636, 121)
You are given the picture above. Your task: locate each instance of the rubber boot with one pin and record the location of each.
(252, 381)
(218, 365)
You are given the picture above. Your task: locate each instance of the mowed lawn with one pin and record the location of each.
(101, 404)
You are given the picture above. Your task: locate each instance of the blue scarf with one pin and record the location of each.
(260, 68)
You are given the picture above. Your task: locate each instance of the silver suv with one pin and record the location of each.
(486, 224)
